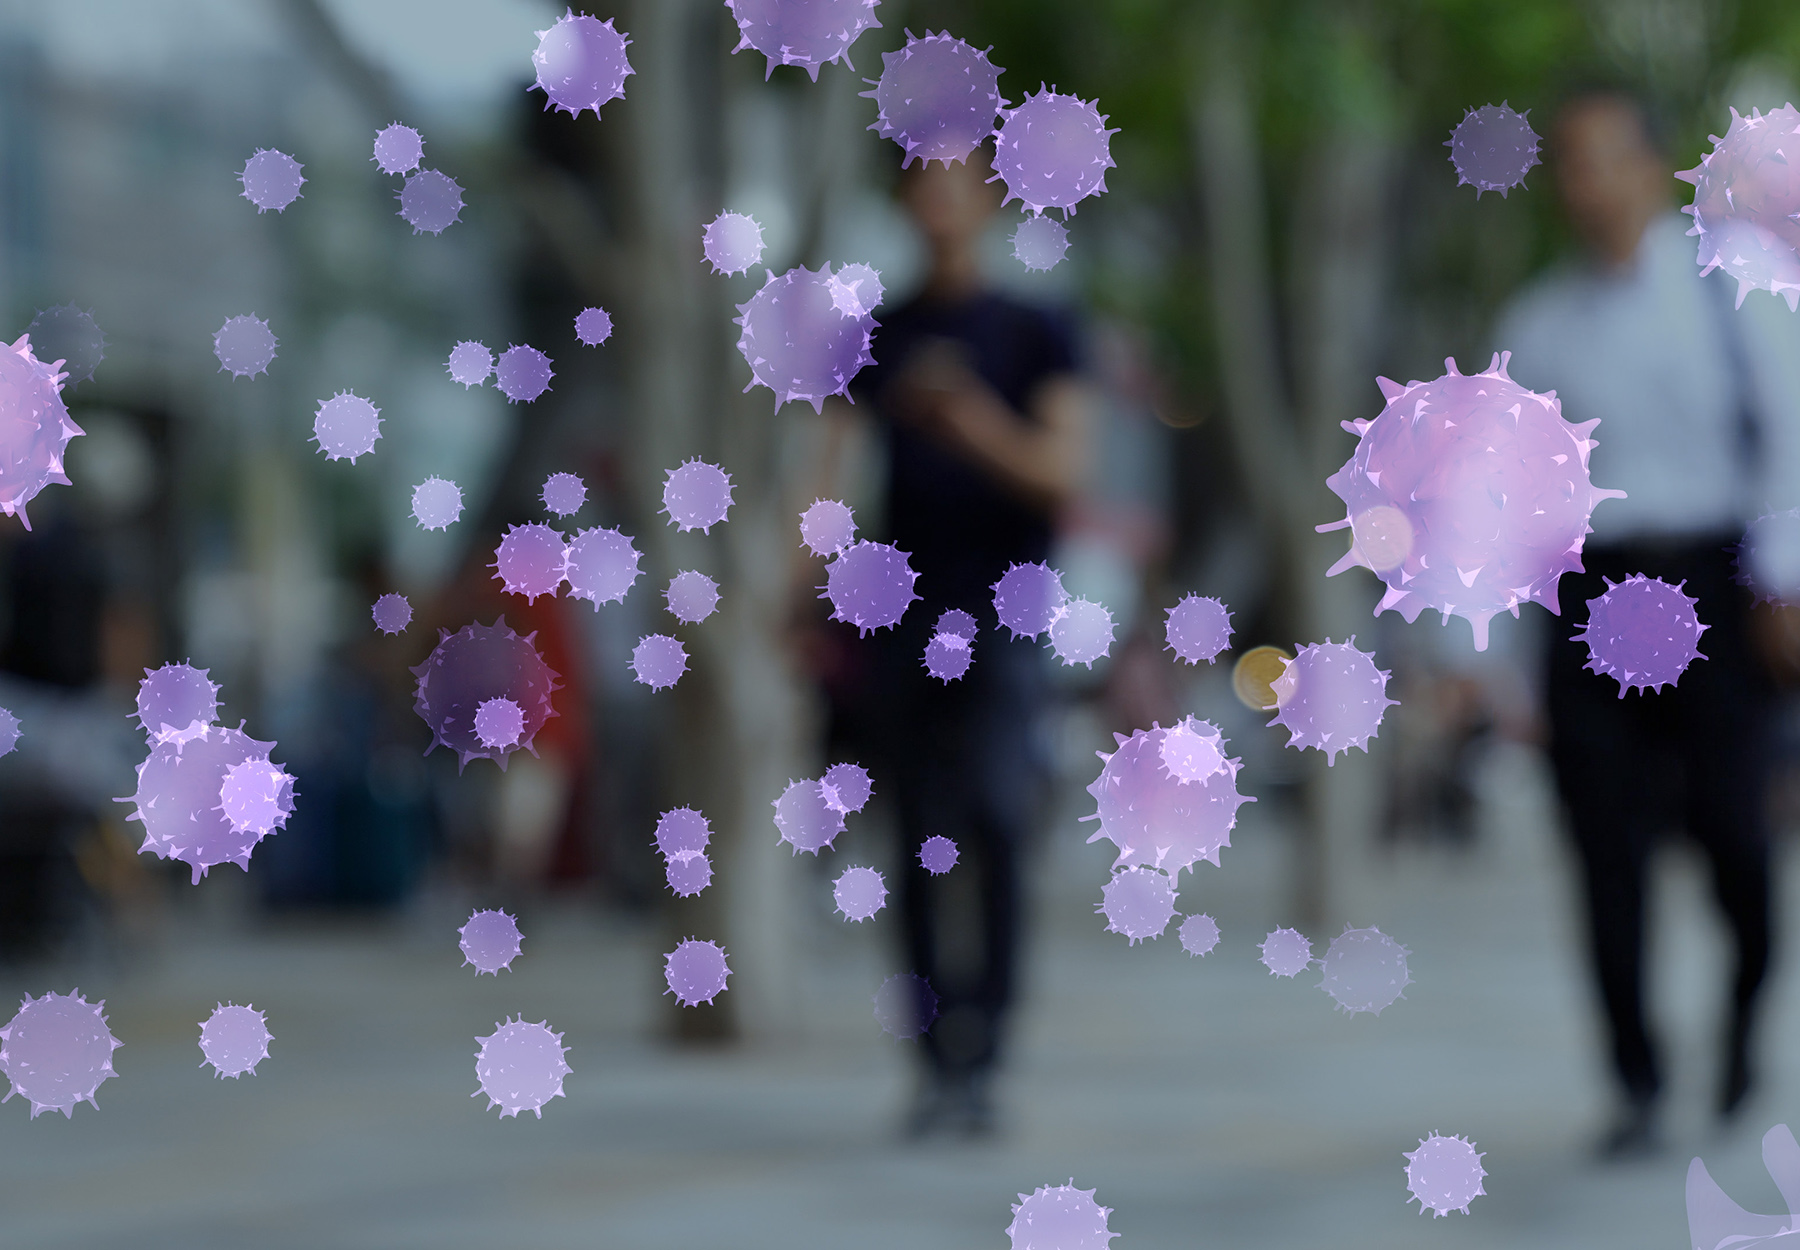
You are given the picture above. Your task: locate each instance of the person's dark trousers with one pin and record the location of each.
(1694, 755)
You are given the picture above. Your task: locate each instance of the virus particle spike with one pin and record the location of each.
(869, 585)
(1138, 902)
(593, 326)
(682, 831)
(1493, 148)
(947, 657)
(1081, 631)
(696, 972)
(1192, 750)
(391, 613)
(696, 496)
(1364, 970)
(234, 1040)
(489, 940)
(1027, 598)
(859, 893)
(1154, 817)
(430, 202)
(563, 494)
(688, 873)
(1286, 953)
(957, 623)
(1052, 151)
(398, 149)
(692, 596)
(806, 818)
(1040, 243)
(531, 560)
(1198, 934)
(856, 290)
(1715, 1222)
(1331, 697)
(256, 796)
(1060, 1217)
(499, 723)
(602, 566)
(244, 345)
(470, 363)
(1746, 207)
(69, 336)
(581, 64)
(522, 373)
(1444, 1174)
(827, 527)
(271, 179)
(796, 341)
(56, 1052)
(520, 1067)
(9, 732)
(937, 97)
(176, 703)
(180, 799)
(658, 661)
(436, 503)
(807, 33)
(847, 787)
(905, 1006)
(1642, 632)
(937, 855)
(732, 242)
(466, 669)
(346, 427)
(35, 428)
(1198, 629)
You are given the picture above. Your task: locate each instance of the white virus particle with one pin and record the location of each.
(520, 1067)
(1192, 750)
(244, 346)
(531, 560)
(1198, 934)
(658, 661)
(1364, 970)
(1154, 817)
(1444, 1174)
(470, 363)
(847, 787)
(696, 496)
(1138, 902)
(827, 527)
(797, 342)
(499, 723)
(692, 596)
(272, 180)
(696, 972)
(1331, 697)
(937, 97)
(1198, 629)
(563, 494)
(732, 242)
(870, 586)
(1052, 151)
(256, 796)
(1746, 207)
(1493, 148)
(602, 565)
(1081, 631)
(1286, 953)
(1040, 243)
(56, 1052)
(9, 732)
(489, 940)
(807, 33)
(806, 818)
(581, 63)
(398, 149)
(391, 613)
(436, 503)
(1060, 1217)
(1027, 598)
(234, 1040)
(856, 290)
(346, 427)
(35, 428)
(430, 202)
(859, 893)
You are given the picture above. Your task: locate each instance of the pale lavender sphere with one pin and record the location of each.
(1192, 750)
(520, 1067)
(957, 622)
(692, 596)
(430, 202)
(581, 63)
(1154, 817)
(682, 831)
(471, 666)
(1198, 934)
(696, 972)
(1746, 207)
(272, 180)
(470, 363)
(1060, 1217)
(1768, 557)
(827, 527)
(56, 1052)
(391, 613)
(531, 560)
(1081, 632)
(1642, 632)
(523, 373)
(797, 343)
(70, 335)
(499, 723)
(658, 661)
(1053, 151)
(178, 800)
(1027, 598)
(436, 503)
(937, 855)
(856, 290)
(1286, 953)
(1198, 629)
(489, 940)
(905, 1005)
(35, 428)
(593, 326)
(937, 97)
(244, 346)
(9, 732)
(234, 1040)
(1040, 243)
(602, 566)
(732, 242)
(1331, 697)
(806, 819)
(869, 586)
(1444, 1174)
(563, 494)
(807, 33)
(688, 873)
(1365, 970)
(346, 427)
(1493, 148)
(1138, 902)
(859, 893)
(696, 496)
(256, 796)
(847, 787)
(176, 702)
(947, 656)
(398, 149)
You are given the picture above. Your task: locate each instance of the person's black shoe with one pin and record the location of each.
(1632, 1135)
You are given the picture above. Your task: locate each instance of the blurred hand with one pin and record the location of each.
(1775, 634)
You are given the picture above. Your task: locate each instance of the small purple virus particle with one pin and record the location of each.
(869, 586)
(1155, 818)
(1493, 148)
(796, 341)
(602, 566)
(346, 426)
(9, 732)
(807, 33)
(682, 831)
(398, 149)
(531, 560)
(1192, 750)
(937, 855)
(1198, 629)
(957, 622)
(658, 661)
(430, 202)
(436, 503)
(470, 363)
(522, 374)
(57, 1052)
(1138, 902)
(1365, 970)
(947, 656)
(176, 703)
(1331, 697)
(1444, 1174)
(520, 1067)
(696, 496)
(1746, 207)
(859, 893)
(180, 800)
(856, 290)
(69, 335)
(1642, 632)
(256, 796)
(391, 613)
(1198, 934)
(581, 64)
(490, 940)
(732, 242)
(1052, 151)
(806, 818)
(1715, 1222)
(905, 1005)
(1768, 558)
(692, 596)
(564, 493)
(593, 326)
(1470, 495)
(1081, 632)
(1286, 953)
(1060, 1217)
(272, 180)
(34, 427)
(827, 527)
(499, 723)
(688, 873)
(1027, 598)
(1040, 243)
(696, 972)
(937, 97)
(466, 669)
(234, 1040)
(244, 346)
(847, 787)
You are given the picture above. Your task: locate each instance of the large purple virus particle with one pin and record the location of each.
(244, 345)
(1444, 1174)
(1746, 207)
(346, 427)
(234, 1040)
(602, 566)
(732, 242)
(391, 613)
(68, 334)
(937, 855)
(436, 503)
(948, 656)
(1154, 817)
(520, 1067)
(1715, 1222)
(1027, 598)
(430, 202)
(682, 831)
(859, 893)
(827, 527)
(489, 940)
(1470, 495)
(688, 873)
(470, 363)
(806, 817)
(1286, 953)
(1364, 970)
(692, 596)
(522, 373)
(937, 97)
(1060, 1217)
(856, 290)
(176, 703)
(593, 326)
(9, 732)
(1642, 632)
(1052, 151)
(1192, 749)
(35, 428)
(56, 1052)
(563, 494)
(1081, 631)
(696, 972)
(581, 63)
(1198, 934)
(272, 180)
(807, 33)
(398, 149)
(905, 1006)
(869, 586)
(658, 661)
(696, 496)
(531, 560)
(256, 796)
(466, 669)
(1493, 148)
(1331, 697)
(797, 343)
(847, 787)
(1040, 243)
(1198, 628)
(499, 723)
(1138, 902)
(180, 799)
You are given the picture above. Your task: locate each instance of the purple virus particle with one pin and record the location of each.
(827, 527)
(732, 242)
(947, 656)
(244, 345)
(1746, 207)
(1470, 495)
(1192, 750)
(1331, 697)
(696, 972)
(466, 669)
(9, 732)
(1444, 1174)
(1198, 629)
(234, 1040)
(176, 703)
(1052, 151)
(593, 326)
(937, 855)
(499, 723)
(490, 940)
(1715, 1222)
(1155, 818)
(859, 893)
(1493, 148)
(1198, 934)
(1138, 902)
(1768, 558)
(531, 560)
(34, 427)
(256, 796)
(958, 623)
(470, 363)
(1040, 243)
(1364, 970)
(346, 426)
(1027, 598)
(682, 831)
(692, 596)
(56, 1052)
(847, 787)
(1081, 632)
(602, 566)
(905, 1005)
(1059, 1217)
(856, 290)
(520, 1067)
(272, 180)
(688, 873)
(869, 586)
(1286, 953)
(658, 661)
(430, 201)
(807, 33)
(797, 343)
(180, 800)
(806, 817)
(580, 63)
(69, 335)
(563, 494)
(1642, 632)
(522, 374)
(696, 496)
(436, 503)
(398, 149)
(391, 613)
(937, 97)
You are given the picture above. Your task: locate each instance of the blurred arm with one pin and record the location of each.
(1041, 461)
